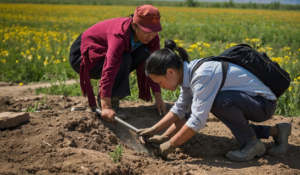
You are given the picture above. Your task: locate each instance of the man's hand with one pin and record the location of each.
(147, 131)
(160, 105)
(157, 139)
(165, 149)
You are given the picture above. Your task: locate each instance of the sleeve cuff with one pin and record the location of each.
(105, 92)
(195, 124)
(174, 111)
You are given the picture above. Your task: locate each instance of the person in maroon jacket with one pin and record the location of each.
(110, 50)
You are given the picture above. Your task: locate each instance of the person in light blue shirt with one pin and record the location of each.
(242, 98)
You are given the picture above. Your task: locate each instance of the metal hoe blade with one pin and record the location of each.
(128, 134)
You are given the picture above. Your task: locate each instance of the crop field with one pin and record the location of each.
(35, 40)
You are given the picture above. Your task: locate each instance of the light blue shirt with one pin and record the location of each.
(198, 92)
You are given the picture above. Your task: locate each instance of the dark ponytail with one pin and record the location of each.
(160, 60)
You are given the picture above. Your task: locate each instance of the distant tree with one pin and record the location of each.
(231, 3)
(275, 5)
(190, 3)
(216, 5)
(148, 2)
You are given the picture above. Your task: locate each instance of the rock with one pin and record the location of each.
(113, 139)
(98, 139)
(138, 164)
(71, 143)
(182, 156)
(262, 161)
(11, 119)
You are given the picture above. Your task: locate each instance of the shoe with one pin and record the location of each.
(115, 103)
(247, 152)
(281, 140)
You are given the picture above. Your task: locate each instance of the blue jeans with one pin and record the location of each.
(236, 108)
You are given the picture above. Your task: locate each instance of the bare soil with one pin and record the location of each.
(57, 140)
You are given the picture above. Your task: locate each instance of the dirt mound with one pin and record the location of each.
(56, 140)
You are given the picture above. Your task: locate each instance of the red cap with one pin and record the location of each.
(147, 18)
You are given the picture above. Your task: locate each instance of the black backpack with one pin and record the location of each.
(259, 64)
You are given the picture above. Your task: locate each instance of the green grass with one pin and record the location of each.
(35, 41)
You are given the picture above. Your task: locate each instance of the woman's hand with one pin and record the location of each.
(147, 131)
(159, 103)
(157, 139)
(107, 114)
(164, 149)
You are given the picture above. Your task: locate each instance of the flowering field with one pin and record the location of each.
(35, 39)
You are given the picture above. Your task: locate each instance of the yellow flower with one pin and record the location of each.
(202, 53)
(180, 45)
(29, 57)
(3, 61)
(199, 43)
(17, 61)
(193, 46)
(45, 63)
(21, 84)
(206, 45)
(189, 50)
(255, 40)
(233, 44)
(247, 39)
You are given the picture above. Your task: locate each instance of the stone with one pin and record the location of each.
(262, 161)
(12, 119)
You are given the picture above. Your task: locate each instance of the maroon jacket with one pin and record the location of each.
(108, 40)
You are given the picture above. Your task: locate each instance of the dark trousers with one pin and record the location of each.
(235, 109)
(130, 61)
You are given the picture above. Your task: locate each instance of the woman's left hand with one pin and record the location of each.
(164, 149)
(160, 105)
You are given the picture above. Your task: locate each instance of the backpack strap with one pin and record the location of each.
(225, 66)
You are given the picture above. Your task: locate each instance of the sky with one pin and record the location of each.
(293, 2)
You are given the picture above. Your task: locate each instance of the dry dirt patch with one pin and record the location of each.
(56, 140)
